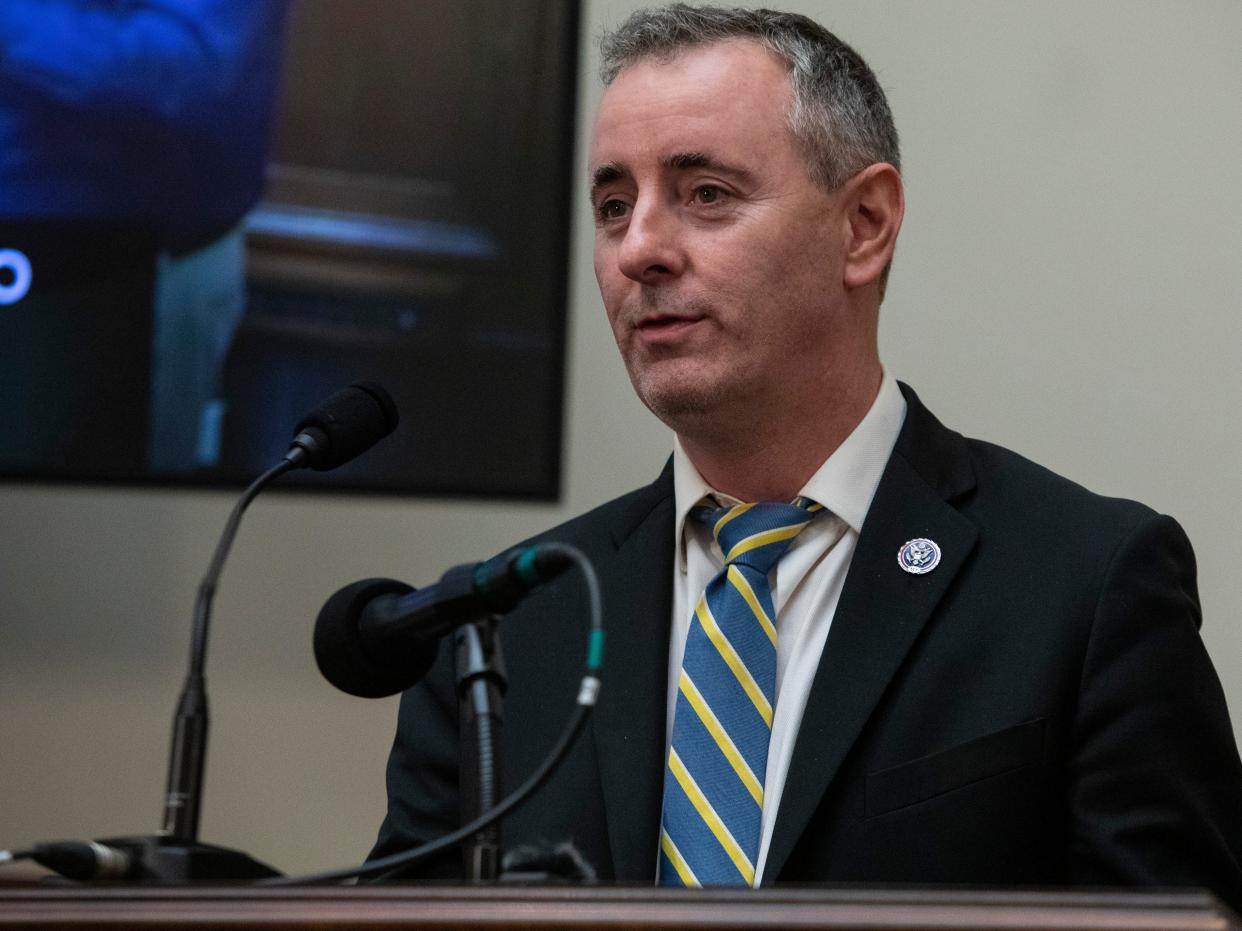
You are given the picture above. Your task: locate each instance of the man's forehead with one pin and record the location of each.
(695, 109)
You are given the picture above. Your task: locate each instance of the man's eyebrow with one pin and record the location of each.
(607, 173)
(682, 161)
(611, 172)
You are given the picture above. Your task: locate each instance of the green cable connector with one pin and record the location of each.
(525, 567)
(595, 650)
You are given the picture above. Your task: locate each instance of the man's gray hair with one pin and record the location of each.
(839, 116)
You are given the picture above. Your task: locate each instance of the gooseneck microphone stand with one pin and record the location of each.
(481, 684)
(175, 854)
(183, 797)
(343, 427)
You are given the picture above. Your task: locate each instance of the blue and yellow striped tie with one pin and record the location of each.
(718, 757)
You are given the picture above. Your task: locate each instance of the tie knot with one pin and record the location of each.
(757, 535)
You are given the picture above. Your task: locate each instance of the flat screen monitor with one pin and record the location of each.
(210, 221)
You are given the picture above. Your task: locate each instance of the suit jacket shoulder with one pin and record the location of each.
(1037, 709)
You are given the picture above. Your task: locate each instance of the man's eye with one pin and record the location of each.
(612, 209)
(708, 194)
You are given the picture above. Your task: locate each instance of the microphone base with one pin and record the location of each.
(161, 860)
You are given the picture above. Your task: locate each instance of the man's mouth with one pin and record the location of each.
(660, 327)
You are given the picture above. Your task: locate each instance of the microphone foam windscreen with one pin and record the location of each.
(352, 420)
(342, 657)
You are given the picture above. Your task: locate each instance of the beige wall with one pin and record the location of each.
(1067, 284)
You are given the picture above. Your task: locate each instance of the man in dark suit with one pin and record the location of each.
(978, 672)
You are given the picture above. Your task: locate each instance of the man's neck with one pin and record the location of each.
(773, 459)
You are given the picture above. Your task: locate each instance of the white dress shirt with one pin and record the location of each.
(806, 583)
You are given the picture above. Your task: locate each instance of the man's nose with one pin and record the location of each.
(652, 249)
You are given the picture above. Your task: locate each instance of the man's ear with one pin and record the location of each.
(874, 204)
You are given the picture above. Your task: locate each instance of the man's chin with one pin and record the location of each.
(680, 406)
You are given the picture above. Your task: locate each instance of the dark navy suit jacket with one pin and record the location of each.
(1038, 709)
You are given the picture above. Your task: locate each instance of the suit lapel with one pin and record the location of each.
(630, 717)
(880, 614)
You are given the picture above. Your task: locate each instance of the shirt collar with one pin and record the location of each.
(844, 484)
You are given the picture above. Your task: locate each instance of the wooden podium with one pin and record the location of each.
(418, 908)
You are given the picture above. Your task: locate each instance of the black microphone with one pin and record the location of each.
(346, 425)
(343, 427)
(378, 637)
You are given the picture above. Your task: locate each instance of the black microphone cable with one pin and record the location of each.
(588, 691)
